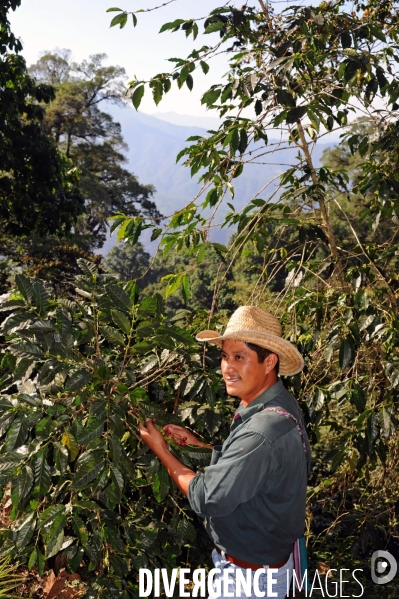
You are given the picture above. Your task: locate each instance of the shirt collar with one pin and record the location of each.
(242, 414)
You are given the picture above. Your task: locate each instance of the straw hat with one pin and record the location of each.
(254, 325)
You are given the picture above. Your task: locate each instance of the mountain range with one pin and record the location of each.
(153, 144)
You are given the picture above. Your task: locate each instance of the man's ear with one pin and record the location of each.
(271, 362)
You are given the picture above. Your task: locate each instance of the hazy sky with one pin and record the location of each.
(83, 27)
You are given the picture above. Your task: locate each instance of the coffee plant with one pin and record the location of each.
(78, 376)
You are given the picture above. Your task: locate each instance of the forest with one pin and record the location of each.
(91, 345)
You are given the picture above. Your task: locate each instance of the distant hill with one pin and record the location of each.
(187, 120)
(153, 146)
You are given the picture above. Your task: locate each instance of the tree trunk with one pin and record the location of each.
(323, 209)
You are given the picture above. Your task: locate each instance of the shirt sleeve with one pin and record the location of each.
(242, 470)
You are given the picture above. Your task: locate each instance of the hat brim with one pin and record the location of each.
(290, 360)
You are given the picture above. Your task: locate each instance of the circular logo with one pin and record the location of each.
(383, 567)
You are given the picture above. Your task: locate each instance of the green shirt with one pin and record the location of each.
(252, 496)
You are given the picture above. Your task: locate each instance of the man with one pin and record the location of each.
(252, 496)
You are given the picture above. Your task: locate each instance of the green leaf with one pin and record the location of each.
(186, 532)
(80, 529)
(26, 349)
(55, 544)
(42, 472)
(174, 283)
(112, 335)
(40, 561)
(40, 296)
(88, 268)
(9, 461)
(138, 96)
(113, 9)
(117, 479)
(204, 66)
(161, 485)
(21, 368)
(87, 473)
(377, 32)
(365, 321)
(77, 380)
(121, 320)
(25, 482)
(25, 531)
(189, 82)
(212, 198)
(32, 559)
(16, 321)
(242, 146)
(119, 565)
(157, 91)
(213, 420)
(346, 40)
(387, 420)
(155, 234)
(116, 220)
(295, 114)
(24, 287)
(285, 98)
(210, 97)
(338, 459)
(115, 449)
(346, 353)
(214, 26)
(366, 414)
(17, 433)
(134, 291)
(90, 432)
(235, 140)
(186, 288)
(119, 297)
(120, 20)
(61, 457)
(358, 398)
(85, 504)
(172, 25)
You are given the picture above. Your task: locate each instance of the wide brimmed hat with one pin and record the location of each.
(254, 325)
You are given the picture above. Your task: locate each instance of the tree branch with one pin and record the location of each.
(265, 8)
(323, 209)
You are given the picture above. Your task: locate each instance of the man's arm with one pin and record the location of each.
(245, 466)
(180, 474)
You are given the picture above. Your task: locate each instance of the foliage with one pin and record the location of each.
(90, 142)
(92, 139)
(325, 237)
(9, 579)
(78, 375)
(128, 262)
(38, 185)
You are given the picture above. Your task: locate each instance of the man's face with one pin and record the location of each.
(244, 376)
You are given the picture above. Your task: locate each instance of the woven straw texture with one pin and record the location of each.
(254, 325)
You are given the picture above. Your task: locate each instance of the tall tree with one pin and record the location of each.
(37, 182)
(90, 143)
(92, 139)
(128, 262)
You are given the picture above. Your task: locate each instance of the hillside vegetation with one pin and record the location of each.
(91, 348)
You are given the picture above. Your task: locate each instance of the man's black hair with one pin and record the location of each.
(262, 353)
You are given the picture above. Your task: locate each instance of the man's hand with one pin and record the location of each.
(182, 436)
(179, 473)
(152, 437)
